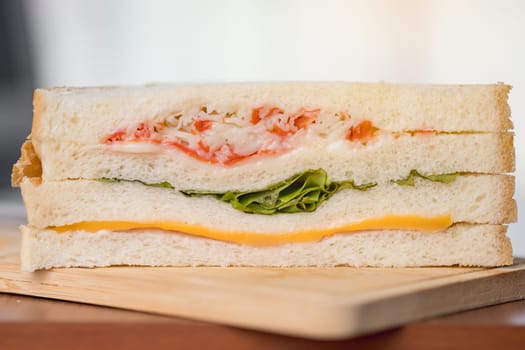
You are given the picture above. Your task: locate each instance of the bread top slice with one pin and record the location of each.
(93, 115)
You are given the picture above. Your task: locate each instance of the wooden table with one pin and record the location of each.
(34, 323)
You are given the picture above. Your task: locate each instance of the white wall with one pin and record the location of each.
(93, 42)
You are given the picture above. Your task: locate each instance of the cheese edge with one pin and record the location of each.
(387, 222)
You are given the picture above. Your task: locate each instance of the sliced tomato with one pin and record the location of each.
(187, 150)
(143, 132)
(202, 125)
(116, 136)
(203, 147)
(276, 129)
(362, 131)
(203, 153)
(303, 118)
(256, 115)
(264, 112)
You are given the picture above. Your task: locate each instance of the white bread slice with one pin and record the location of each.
(87, 114)
(471, 198)
(461, 244)
(70, 136)
(380, 160)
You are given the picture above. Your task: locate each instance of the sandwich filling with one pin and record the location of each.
(226, 138)
(215, 137)
(303, 192)
(392, 222)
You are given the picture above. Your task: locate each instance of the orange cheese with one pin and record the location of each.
(393, 222)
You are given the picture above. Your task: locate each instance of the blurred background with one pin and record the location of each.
(101, 42)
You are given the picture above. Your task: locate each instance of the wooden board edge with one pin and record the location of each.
(331, 319)
(480, 274)
(397, 310)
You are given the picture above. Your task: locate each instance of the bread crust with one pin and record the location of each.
(28, 166)
(502, 93)
(39, 105)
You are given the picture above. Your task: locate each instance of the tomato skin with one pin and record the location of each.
(203, 147)
(116, 136)
(203, 153)
(303, 117)
(202, 125)
(278, 131)
(293, 122)
(363, 131)
(143, 132)
(301, 122)
(256, 115)
(264, 112)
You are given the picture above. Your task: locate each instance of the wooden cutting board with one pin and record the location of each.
(321, 303)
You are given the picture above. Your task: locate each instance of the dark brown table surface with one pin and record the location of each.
(36, 323)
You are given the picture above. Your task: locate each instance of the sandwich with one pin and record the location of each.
(268, 174)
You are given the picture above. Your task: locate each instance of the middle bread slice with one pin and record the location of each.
(481, 199)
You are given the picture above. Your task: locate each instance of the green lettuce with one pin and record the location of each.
(303, 192)
(410, 179)
(160, 184)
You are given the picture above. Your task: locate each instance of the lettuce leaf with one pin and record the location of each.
(160, 184)
(410, 179)
(303, 192)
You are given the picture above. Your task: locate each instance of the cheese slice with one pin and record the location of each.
(388, 222)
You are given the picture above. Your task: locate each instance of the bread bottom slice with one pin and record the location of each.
(461, 244)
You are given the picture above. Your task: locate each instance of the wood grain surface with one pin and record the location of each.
(326, 303)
